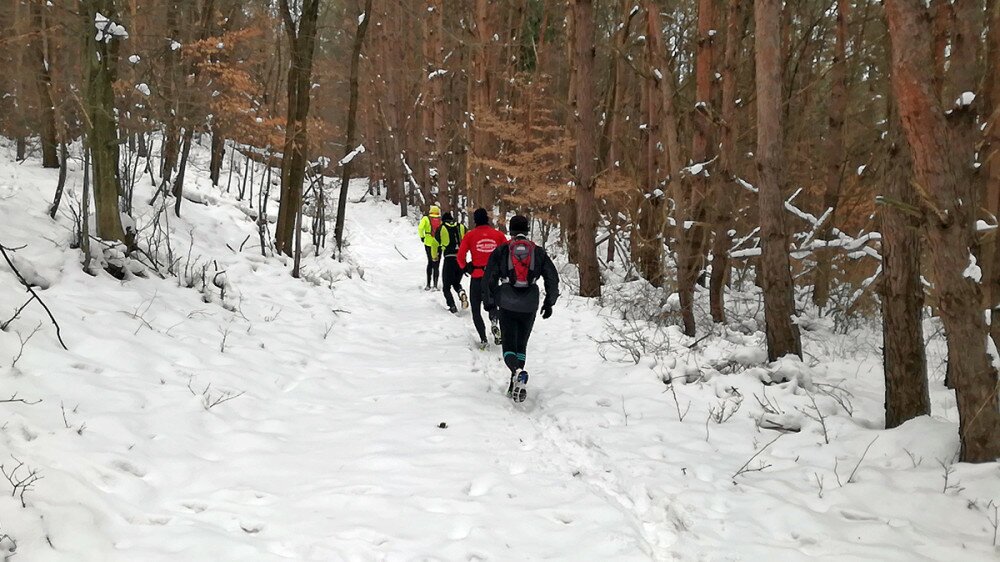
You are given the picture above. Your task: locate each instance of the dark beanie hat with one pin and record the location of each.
(480, 217)
(519, 225)
(447, 217)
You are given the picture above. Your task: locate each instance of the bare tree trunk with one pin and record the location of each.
(302, 44)
(949, 228)
(648, 228)
(903, 356)
(102, 130)
(85, 210)
(692, 232)
(178, 191)
(440, 153)
(171, 134)
(43, 80)
(61, 185)
(670, 127)
(725, 187)
(352, 121)
(774, 269)
(218, 154)
(991, 161)
(835, 154)
(590, 275)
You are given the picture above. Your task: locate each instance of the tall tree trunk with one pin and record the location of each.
(774, 269)
(648, 228)
(949, 228)
(169, 88)
(835, 155)
(352, 120)
(479, 102)
(102, 126)
(440, 152)
(61, 185)
(302, 44)
(586, 153)
(178, 191)
(725, 187)
(695, 213)
(903, 356)
(43, 80)
(991, 162)
(218, 154)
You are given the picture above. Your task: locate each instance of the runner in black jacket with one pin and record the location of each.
(517, 305)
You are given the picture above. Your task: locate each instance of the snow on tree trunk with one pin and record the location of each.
(948, 228)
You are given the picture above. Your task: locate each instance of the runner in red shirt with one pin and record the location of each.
(480, 241)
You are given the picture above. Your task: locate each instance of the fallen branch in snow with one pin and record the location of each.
(400, 252)
(34, 295)
(744, 469)
(14, 398)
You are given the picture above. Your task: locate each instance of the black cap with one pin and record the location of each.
(480, 217)
(447, 217)
(519, 225)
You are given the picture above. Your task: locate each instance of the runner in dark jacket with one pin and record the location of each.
(509, 286)
(449, 236)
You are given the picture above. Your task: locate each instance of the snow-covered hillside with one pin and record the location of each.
(348, 416)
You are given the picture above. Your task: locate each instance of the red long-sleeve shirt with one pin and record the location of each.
(480, 241)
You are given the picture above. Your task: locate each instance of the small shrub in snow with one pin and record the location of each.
(22, 478)
(211, 398)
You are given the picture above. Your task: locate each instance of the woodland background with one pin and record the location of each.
(841, 155)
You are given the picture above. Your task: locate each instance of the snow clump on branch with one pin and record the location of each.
(107, 29)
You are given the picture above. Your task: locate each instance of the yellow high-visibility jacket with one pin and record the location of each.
(428, 234)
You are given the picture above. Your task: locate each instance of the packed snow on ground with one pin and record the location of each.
(364, 424)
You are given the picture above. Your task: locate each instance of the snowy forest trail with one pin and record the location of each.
(489, 484)
(331, 446)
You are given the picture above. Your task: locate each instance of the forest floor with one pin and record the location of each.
(364, 423)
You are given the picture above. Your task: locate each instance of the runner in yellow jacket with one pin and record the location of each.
(428, 229)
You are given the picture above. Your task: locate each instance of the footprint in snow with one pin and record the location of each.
(130, 468)
(252, 528)
(194, 507)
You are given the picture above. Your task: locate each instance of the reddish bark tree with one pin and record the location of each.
(693, 233)
(586, 153)
(949, 228)
(301, 32)
(835, 154)
(774, 271)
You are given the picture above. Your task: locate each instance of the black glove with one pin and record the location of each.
(468, 269)
(489, 306)
(546, 312)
